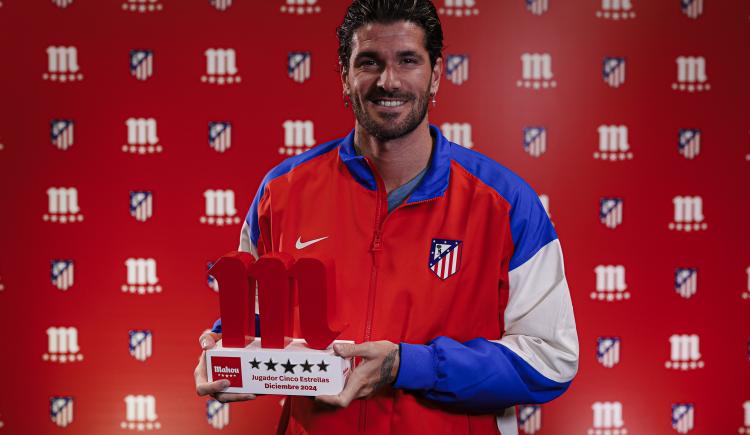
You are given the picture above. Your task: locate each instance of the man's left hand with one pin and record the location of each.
(379, 367)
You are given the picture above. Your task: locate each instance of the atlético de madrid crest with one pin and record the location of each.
(445, 257)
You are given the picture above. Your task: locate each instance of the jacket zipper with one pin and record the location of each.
(381, 215)
(375, 248)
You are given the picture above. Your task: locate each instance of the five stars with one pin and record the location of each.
(288, 366)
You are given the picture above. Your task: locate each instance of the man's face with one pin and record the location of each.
(389, 78)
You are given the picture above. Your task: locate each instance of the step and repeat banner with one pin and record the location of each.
(134, 134)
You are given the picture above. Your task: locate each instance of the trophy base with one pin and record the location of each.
(295, 370)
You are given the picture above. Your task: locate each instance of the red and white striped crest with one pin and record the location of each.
(445, 257)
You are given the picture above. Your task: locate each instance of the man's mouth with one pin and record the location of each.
(390, 103)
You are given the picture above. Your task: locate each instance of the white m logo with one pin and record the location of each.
(688, 209)
(141, 271)
(684, 348)
(691, 69)
(62, 200)
(624, 5)
(140, 413)
(607, 415)
(610, 278)
(219, 202)
(61, 342)
(536, 66)
(298, 133)
(613, 138)
(460, 3)
(62, 59)
(458, 132)
(142, 131)
(221, 61)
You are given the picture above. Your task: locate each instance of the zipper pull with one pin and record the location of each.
(377, 243)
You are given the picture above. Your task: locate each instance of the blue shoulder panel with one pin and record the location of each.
(282, 169)
(530, 226)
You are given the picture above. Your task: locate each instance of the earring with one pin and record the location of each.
(433, 100)
(346, 100)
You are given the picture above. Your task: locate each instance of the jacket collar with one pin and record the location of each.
(433, 184)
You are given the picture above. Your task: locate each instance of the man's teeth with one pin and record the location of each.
(389, 103)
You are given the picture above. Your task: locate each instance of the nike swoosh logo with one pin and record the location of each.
(302, 245)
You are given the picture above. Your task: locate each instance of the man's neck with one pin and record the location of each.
(398, 160)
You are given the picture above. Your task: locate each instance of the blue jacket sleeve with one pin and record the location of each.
(478, 375)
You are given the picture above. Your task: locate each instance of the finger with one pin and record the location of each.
(344, 398)
(208, 340)
(200, 370)
(232, 397)
(205, 388)
(347, 350)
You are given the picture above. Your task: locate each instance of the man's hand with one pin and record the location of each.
(214, 389)
(379, 367)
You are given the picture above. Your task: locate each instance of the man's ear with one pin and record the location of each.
(437, 72)
(344, 82)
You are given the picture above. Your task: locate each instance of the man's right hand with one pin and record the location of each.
(214, 389)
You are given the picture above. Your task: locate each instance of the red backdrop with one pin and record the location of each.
(577, 35)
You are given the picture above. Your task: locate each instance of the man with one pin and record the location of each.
(449, 273)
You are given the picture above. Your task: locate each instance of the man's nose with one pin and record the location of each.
(389, 79)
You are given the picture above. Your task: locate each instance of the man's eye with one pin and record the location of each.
(410, 60)
(368, 63)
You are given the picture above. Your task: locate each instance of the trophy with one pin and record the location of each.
(277, 364)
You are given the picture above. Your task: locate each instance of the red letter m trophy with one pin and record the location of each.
(278, 364)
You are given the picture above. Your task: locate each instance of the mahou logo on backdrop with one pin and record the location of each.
(217, 414)
(683, 417)
(691, 74)
(140, 344)
(610, 212)
(142, 138)
(530, 418)
(745, 428)
(141, 277)
(300, 7)
(142, 6)
(299, 136)
(537, 7)
(616, 10)
(220, 208)
(61, 274)
(684, 352)
(457, 68)
(141, 205)
(613, 143)
(61, 410)
(689, 143)
(536, 71)
(62, 4)
(458, 133)
(61, 133)
(220, 135)
(221, 67)
(535, 141)
(610, 283)
(608, 351)
(140, 413)
(141, 64)
(688, 214)
(62, 205)
(62, 64)
(220, 5)
(62, 345)
(607, 419)
(298, 65)
(459, 8)
(613, 71)
(686, 281)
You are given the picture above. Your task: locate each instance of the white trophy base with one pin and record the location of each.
(295, 370)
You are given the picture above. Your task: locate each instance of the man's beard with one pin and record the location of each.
(390, 129)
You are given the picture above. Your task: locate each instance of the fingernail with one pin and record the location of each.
(224, 383)
(203, 344)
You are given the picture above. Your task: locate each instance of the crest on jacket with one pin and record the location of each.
(445, 257)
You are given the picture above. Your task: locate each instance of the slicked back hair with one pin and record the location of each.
(420, 12)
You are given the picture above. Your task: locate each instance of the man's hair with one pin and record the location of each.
(420, 12)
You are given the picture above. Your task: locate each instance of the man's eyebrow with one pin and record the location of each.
(372, 54)
(375, 55)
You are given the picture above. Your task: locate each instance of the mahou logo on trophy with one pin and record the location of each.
(277, 364)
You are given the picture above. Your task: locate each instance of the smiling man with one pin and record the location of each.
(449, 273)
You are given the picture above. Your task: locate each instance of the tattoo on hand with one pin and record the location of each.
(386, 375)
